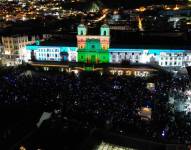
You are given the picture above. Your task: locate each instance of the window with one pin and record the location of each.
(81, 33)
(93, 46)
(104, 33)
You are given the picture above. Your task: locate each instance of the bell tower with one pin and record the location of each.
(82, 30)
(81, 37)
(105, 31)
(105, 36)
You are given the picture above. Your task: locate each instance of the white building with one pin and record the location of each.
(15, 47)
(164, 58)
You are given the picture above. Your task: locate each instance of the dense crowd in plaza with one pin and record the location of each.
(103, 101)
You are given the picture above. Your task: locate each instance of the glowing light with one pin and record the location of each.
(176, 8)
(167, 7)
(146, 109)
(141, 9)
(140, 24)
(163, 133)
(23, 18)
(22, 148)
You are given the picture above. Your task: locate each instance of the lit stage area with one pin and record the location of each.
(107, 146)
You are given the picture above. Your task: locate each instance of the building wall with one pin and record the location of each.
(94, 51)
(52, 53)
(93, 57)
(14, 48)
(164, 58)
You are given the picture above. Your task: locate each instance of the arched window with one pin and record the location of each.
(104, 33)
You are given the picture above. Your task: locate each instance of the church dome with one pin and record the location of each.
(104, 26)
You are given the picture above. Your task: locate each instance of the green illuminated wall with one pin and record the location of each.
(93, 53)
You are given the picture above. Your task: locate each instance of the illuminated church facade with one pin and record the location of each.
(95, 49)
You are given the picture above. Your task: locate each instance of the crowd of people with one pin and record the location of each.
(102, 101)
